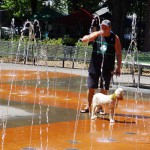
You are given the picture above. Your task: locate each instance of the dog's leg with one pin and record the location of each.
(111, 115)
(94, 108)
(97, 109)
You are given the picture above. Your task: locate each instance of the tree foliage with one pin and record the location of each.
(138, 7)
(21, 8)
(119, 9)
(60, 5)
(16, 8)
(147, 32)
(89, 5)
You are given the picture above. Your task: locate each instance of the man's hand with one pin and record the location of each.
(91, 37)
(118, 71)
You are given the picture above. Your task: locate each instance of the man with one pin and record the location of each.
(105, 46)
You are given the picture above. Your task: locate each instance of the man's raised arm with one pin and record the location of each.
(91, 37)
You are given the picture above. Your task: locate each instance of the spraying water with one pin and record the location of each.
(132, 50)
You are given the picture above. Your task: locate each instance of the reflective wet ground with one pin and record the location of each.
(40, 110)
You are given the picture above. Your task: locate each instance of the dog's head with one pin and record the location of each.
(119, 93)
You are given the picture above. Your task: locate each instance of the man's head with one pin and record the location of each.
(106, 27)
(106, 23)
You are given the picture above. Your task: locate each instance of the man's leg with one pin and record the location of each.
(103, 91)
(90, 94)
(92, 83)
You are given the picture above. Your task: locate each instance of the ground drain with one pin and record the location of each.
(29, 148)
(112, 140)
(106, 140)
(130, 133)
(71, 149)
(73, 141)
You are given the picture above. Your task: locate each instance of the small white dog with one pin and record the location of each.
(108, 101)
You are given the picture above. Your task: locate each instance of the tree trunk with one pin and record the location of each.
(34, 6)
(74, 5)
(147, 30)
(119, 11)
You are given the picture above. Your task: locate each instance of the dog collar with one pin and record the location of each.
(113, 96)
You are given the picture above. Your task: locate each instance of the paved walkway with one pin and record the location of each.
(124, 80)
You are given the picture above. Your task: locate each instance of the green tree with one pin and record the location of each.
(119, 11)
(21, 8)
(60, 5)
(147, 30)
(89, 5)
(139, 8)
(16, 8)
(34, 4)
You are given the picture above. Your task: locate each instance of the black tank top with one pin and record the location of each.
(100, 44)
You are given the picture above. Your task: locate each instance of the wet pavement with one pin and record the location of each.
(21, 114)
(40, 110)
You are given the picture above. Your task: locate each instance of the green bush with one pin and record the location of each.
(79, 43)
(58, 41)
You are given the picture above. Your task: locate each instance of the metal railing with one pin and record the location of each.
(52, 55)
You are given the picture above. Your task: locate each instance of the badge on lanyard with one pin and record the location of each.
(103, 48)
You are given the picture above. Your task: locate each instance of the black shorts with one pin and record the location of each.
(95, 81)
